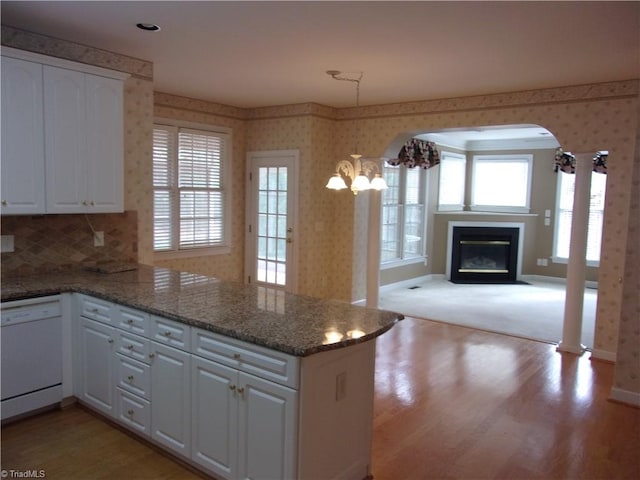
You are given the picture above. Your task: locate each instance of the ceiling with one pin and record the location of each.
(255, 54)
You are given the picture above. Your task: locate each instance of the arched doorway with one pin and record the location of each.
(472, 175)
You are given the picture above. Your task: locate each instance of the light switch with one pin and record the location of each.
(7, 243)
(547, 221)
(547, 213)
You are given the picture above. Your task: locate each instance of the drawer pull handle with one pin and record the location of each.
(110, 340)
(167, 333)
(130, 347)
(130, 413)
(130, 321)
(232, 387)
(151, 355)
(130, 378)
(236, 356)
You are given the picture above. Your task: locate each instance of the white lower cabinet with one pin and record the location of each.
(214, 419)
(171, 398)
(267, 425)
(242, 426)
(231, 408)
(96, 364)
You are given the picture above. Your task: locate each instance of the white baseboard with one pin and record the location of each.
(603, 355)
(625, 396)
(543, 278)
(407, 283)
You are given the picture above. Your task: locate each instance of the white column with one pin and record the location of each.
(577, 265)
(373, 249)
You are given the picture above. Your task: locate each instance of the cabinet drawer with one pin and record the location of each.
(262, 362)
(133, 346)
(95, 309)
(133, 376)
(134, 412)
(131, 320)
(171, 333)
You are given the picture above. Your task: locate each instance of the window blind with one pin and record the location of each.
(188, 188)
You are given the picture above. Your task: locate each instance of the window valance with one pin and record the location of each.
(417, 153)
(567, 163)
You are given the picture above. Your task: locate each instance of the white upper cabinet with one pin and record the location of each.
(65, 126)
(22, 138)
(84, 142)
(65, 144)
(105, 143)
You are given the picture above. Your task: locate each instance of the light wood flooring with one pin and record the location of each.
(450, 403)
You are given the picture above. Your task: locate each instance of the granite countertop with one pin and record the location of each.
(294, 324)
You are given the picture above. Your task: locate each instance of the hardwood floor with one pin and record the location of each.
(451, 403)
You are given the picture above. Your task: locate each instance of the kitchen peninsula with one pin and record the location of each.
(238, 380)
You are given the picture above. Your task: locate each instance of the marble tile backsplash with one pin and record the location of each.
(60, 242)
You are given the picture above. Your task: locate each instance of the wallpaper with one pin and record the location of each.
(332, 262)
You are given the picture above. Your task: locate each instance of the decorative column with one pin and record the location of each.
(373, 250)
(577, 265)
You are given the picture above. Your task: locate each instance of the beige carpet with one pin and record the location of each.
(532, 311)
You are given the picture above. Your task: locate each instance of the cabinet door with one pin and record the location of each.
(22, 138)
(267, 445)
(96, 352)
(171, 398)
(65, 140)
(214, 417)
(104, 129)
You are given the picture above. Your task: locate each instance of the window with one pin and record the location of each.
(451, 183)
(501, 183)
(564, 212)
(403, 215)
(189, 196)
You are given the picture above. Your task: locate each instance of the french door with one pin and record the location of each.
(271, 218)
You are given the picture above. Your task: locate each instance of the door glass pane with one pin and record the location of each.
(272, 225)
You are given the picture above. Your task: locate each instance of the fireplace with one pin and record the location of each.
(486, 254)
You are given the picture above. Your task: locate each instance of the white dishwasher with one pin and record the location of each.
(31, 340)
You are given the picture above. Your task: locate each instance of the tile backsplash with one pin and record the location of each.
(60, 242)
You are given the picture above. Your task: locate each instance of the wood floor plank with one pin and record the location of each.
(450, 403)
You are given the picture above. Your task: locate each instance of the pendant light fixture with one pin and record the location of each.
(357, 170)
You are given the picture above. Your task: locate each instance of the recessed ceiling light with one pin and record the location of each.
(149, 27)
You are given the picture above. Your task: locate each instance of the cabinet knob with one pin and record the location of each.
(241, 391)
(4, 203)
(130, 378)
(236, 356)
(93, 310)
(151, 355)
(232, 387)
(130, 413)
(129, 347)
(84, 203)
(130, 321)
(167, 333)
(92, 203)
(110, 340)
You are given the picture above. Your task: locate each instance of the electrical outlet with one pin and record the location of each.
(98, 239)
(7, 244)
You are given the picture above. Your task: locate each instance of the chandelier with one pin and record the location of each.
(358, 170)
